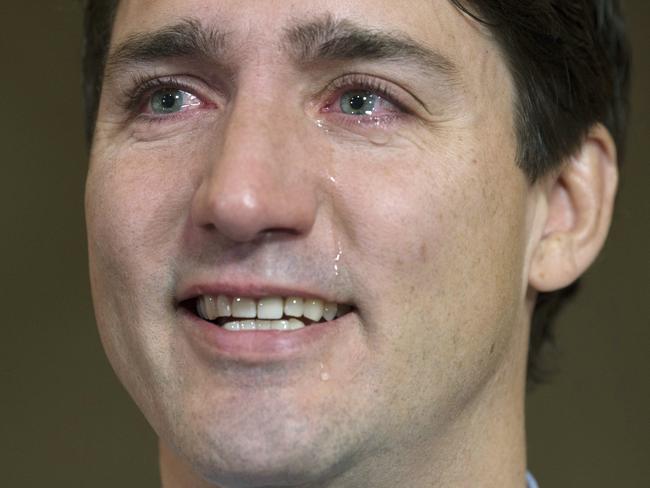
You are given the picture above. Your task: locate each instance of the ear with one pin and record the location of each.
(579, 206)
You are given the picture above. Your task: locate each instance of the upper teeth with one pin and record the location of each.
(211, 307)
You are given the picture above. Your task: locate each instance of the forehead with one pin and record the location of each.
(271, 14)
(258, 24)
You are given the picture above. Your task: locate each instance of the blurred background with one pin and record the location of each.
(66, 421)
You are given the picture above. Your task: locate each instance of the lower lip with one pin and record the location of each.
(263, 346)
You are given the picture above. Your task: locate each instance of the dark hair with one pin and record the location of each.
(98, 24)
(569, 60)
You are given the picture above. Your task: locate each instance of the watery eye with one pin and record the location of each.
(170, 101)
(359, 102)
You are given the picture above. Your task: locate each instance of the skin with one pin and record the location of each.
(437, 239)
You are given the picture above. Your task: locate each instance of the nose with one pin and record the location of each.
(257, 180)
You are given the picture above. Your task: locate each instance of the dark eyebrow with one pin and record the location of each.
(328, 39)
(186, 38)
(324, 39)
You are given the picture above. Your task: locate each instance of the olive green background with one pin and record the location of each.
(65, 420)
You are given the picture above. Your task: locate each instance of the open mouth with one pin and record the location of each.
(267, 313)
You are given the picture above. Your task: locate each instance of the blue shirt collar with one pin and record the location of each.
(530, 481)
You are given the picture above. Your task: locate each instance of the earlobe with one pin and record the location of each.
(580, 201)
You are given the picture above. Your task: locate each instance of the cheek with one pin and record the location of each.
(136, 205)
(440, 239)
(418, 215)
(435, 246)
(137, 202)
(136, 208)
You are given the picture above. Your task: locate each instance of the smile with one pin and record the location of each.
(291, 313)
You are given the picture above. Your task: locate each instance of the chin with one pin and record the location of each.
(288, 473)
(239, 449)
(242, 463)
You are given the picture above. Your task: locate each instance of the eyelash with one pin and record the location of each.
(361, 82)
(136, 98)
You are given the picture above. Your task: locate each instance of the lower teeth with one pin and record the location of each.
(247, 325)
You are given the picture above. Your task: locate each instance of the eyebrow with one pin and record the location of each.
(329, 39)
(324, 39)
(185, 39)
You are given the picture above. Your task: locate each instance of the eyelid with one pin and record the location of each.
(142, 88)
(384, 89)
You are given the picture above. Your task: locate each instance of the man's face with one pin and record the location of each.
(360, 153)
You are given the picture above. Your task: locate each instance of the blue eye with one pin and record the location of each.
(359, 102)
(168, 101)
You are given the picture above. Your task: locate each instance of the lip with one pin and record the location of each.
(264, 346)
(259, 347)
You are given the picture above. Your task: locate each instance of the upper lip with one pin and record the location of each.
(251, 289)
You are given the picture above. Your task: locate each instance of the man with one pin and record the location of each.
(318, 230)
